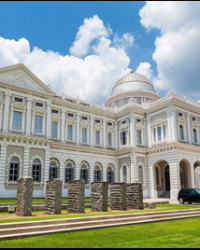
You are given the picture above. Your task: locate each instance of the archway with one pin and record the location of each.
(185, 175)
(197, 175)
(162, 179)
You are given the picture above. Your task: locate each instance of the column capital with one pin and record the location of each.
(63, 110)
(78, 114)
(8, 94)
(29, 99)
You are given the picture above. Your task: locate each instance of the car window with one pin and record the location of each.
(187, 191)
(198, 191)
(192, 191)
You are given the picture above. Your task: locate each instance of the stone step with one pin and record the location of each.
(82, 219)
(72, 225)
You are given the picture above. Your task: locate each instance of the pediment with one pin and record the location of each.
(21, 76)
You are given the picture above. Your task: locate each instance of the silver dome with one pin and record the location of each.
(132, 82)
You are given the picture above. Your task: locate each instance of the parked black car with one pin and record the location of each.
(189, 195)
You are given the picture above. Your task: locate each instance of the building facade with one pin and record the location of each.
(137, 136)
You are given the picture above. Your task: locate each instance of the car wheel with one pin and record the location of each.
(181, 201)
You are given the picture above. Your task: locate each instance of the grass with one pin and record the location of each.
(170, 234)
(39, 215)
(35, 200)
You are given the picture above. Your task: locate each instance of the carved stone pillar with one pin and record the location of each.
(6, 112)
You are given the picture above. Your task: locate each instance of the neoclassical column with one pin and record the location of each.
(49, 120)
(133, 170)
(28, 116)
(175, 183)
(63, 126)
(1, 113)
(26, 161)
(150, 182)
(116, 136)
(189, 129)
(149, 134)
(6, 112)
(104, 133)
(132, 130)
(78, 129)
(173, 125)
(168, 126)
(46, 166)
(92, 131)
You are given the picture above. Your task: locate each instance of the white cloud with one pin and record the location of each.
(126, 40)
(145, 69)
(90, 78)
(179, 23)
(91, 29)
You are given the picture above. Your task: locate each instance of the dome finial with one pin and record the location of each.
(131, 71)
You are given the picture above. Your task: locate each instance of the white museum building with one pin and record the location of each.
(136, 136)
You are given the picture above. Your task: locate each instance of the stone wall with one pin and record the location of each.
(24, 196)
(134, 196)
(76, 196)
(118, 196)
(99, 196)
(53, 199)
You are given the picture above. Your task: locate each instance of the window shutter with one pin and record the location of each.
(86, 176)
(17, 171)
(39, 173)
(72, 174)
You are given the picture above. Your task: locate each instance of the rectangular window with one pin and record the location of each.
(54, 111)
(84, 118)
(109, 124)
(139, 136)
(53, 173)
(69, 175)
(70, 115)
(159, 131)
(123, 138)
(97, 121)
(84, 135)
(110, 176)
(14, 172)
(138, 120)
(180, 114)
(97, 175)
(164, 132)
(38, 124)
(109, 140)
(17, 120)
(18, 99)
(84, 175)
(69, 133)
(39, 104)
(36, 173)
(123, 122)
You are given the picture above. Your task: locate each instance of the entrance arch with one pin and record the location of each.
(162, 179)
(197, 174)
(185, 175)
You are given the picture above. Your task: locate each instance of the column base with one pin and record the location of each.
(174, 194)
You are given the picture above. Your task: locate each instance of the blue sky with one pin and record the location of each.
(54, 26)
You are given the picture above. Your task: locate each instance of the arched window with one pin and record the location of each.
(195, 138)
(36, 170)
(97, 173)
(53, 170)
(84, 173)
(182, 137)
(70, 133)
(69, 172)
(157, 176)
(110, 175)
(109, 139)
(14, 169)
(84, 135)
(97, 137)
(140, 174)
(54, 130)
(124, 173)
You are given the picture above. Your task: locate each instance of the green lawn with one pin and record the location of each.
(35, 200)
(39, 215)
(171, 234)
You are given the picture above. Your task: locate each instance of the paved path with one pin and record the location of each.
(169, 200)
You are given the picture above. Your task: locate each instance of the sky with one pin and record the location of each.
(83, 48)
